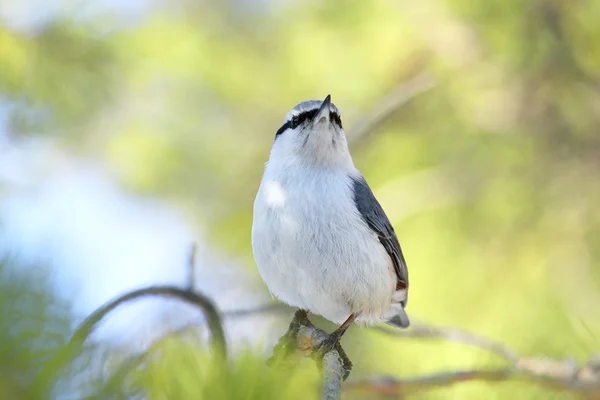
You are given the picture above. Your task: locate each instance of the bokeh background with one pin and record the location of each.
(130, 129)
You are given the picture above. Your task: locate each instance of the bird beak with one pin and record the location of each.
(323, 114)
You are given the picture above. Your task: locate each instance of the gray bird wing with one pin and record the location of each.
(372, 213)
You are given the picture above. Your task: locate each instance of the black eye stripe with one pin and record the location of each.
(299, 119)
(296, 121)
(282, 129)
(335, 118)
(303, 117)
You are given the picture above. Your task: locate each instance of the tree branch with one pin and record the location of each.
(585, 381)
(396, 99)
(333, 375)
(187, 295)
(265, 309)
(191, 279)
(194, 298)
(303, 337)
(551, 373)
(396, 387)
(452, 335)
(544, 371)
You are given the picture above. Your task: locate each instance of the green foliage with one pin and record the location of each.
(34, 326)
(203, 377)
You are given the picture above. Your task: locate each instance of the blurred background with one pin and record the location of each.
(130, 129)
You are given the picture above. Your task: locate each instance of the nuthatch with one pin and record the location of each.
(320, 238)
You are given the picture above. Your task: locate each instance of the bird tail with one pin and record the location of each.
(397, 317)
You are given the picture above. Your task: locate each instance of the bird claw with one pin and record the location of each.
(291, 346)
(319, 351)
(332, 343)
(287, 344)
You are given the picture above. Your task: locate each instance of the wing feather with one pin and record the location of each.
(372, 213)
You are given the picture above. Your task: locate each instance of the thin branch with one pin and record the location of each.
(194, 298)
(333, 376)
(452, 335)
(265, 309)
(391, 386)
(396, 387)
(302, 337)
(396, 99)
(191, 278)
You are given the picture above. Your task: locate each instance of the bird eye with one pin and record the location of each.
(336, 119)
(295, 121)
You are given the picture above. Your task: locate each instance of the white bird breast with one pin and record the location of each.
(314, 251)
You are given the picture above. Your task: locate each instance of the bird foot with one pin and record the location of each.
(288, 343)
(320, 349)
(331, 343)
(304, 339)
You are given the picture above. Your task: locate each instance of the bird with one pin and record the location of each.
(321, 241)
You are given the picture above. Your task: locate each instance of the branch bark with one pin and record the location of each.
(397, 387)
(585, 381)
(303, 337)
(556, 374)
(188, 295)
(333, 375)
(211, 314)
(452, 335)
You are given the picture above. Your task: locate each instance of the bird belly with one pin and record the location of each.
(317, 254)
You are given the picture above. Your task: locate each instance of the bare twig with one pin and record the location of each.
(191, 279)
(266, 309)
(452, 335)
(555, 374)
(333, 375)
(303, 337)
(396, 387)
(187, 295)
(396, 99)
(199, 300)
(585, 381)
